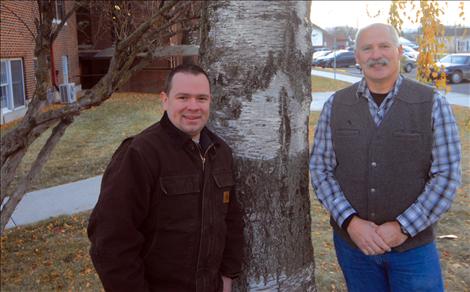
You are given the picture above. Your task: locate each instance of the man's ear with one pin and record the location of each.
(400, 50)
(164, 99)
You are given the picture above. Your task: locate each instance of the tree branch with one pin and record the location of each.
(144, 27)
(20, 19)
(12, 161)
(25, 133)
(59, 27)
(43, 155)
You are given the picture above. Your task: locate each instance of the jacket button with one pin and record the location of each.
(372, 214)
(374, 164)
(372, 190)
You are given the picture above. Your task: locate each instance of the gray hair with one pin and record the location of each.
(392, 32)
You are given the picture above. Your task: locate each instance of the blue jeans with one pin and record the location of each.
(417, 269)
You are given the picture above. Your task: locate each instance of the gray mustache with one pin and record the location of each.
(381, 61)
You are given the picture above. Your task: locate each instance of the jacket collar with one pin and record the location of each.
(181, 139)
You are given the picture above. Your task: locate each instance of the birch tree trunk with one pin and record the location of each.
(258, 58)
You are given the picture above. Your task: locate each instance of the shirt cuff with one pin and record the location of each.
(346, 222)
(405, 226)
(341, 215)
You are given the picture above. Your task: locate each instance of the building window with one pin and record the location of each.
(12, 84)
(65, 68)
(59, 12)
(463, 46)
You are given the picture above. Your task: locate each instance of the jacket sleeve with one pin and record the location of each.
(234, 242)
(116, 241)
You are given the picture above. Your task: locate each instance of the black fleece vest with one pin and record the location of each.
(383, 169)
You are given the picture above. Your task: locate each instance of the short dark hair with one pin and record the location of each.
(183, 68)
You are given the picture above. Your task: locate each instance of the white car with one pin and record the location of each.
(410, 52)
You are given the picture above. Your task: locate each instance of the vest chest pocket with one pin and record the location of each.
(224, 187)
(407, 135)
(347, 132)
(407, 146)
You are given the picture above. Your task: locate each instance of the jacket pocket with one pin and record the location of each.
(224, 179)
(224, 187)
(180, 185)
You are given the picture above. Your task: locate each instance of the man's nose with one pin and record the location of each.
(376, 53)
(192, 104)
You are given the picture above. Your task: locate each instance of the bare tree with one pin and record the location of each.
(136, 43)
(258, 59)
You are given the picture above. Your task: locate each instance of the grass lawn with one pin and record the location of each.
(87, 145)
(322, 84)
(53, 254)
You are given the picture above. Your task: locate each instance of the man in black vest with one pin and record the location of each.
(386, 165)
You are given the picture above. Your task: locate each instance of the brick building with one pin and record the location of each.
(95, 45)
(17, 54)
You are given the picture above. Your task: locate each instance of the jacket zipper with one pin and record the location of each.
(203, 160)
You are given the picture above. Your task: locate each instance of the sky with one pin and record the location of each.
(361, 13)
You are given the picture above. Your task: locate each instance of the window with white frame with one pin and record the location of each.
(12, 84)
(463, 45)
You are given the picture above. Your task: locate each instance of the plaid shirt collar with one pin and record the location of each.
(363, 91)
(378, 113)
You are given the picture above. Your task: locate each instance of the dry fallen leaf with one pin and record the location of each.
(448, 236)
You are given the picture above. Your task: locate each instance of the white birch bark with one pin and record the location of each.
(258, 55)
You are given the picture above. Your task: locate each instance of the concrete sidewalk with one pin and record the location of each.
(65, 199)
(82, 195)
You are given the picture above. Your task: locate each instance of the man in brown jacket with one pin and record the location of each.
(167, 218)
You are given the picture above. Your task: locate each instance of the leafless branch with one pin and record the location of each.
(59, 27)
(12, 162)
(20, 19)
(42, 157)
(144, 27)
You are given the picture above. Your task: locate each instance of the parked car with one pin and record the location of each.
(320, 49)
(320, 61)
(457, 66)
(344, 58)
(319, 54)
(410, 52)
(406, 42)
(407, 63)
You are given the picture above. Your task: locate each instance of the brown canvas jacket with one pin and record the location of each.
(163, 220)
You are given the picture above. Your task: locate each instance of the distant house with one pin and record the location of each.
(18, 63)
(339, 41)
(457, 39)
(336, 39)
(320, 37)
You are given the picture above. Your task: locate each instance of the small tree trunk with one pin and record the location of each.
(258, 59)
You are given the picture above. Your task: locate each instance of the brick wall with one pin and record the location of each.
(17, 42)
(66, 45)
(15, 39)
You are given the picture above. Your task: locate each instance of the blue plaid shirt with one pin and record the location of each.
(444, 173)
